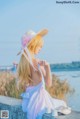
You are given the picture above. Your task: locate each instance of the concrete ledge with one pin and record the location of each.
(10, 100)
(13, 105)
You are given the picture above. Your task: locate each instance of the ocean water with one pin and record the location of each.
(73, 78)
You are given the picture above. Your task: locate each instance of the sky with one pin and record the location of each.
(61, 44)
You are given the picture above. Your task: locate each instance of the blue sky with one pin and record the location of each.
(62, 44)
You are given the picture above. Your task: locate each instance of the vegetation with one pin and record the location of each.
(9, 88)
(59, 88)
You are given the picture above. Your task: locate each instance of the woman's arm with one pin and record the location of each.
(47, 74)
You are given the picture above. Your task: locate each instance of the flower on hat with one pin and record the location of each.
(25, 40)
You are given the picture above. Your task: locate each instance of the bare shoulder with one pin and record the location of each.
(35, 62)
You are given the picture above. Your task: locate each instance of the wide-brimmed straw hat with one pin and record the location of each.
(27, 39)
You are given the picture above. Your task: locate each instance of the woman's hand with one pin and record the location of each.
(45, 64)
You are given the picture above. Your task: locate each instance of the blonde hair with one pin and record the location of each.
(23, 68)
(37, 41)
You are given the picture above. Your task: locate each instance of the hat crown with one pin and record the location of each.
(31, 33)
(27, 37)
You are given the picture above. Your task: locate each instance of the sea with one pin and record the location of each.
(73, 78)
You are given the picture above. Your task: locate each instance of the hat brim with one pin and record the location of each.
(42, 33)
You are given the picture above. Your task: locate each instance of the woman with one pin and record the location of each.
(35, 74)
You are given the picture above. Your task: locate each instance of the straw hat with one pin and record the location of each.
(28, 37)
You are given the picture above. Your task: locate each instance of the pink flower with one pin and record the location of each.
(25, 40)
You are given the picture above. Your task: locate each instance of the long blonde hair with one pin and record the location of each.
(23, 68)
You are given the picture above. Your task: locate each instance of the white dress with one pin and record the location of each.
(36, 99)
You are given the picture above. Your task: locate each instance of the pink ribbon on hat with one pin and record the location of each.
(25, 40)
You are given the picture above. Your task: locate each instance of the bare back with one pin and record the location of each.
(36, 75)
